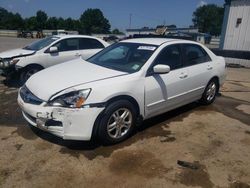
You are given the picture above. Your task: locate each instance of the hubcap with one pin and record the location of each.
(211, 91)
(119, 123)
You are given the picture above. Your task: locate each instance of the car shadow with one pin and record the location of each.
(149, 128)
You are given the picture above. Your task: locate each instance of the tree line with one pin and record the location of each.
(207, 18)
(91, 21)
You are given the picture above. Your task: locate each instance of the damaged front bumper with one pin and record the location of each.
(67, 123)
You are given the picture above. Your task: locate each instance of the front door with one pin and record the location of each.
(166, 91)
(68, 49)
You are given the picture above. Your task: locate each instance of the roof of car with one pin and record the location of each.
(73, 36)
(152, 41)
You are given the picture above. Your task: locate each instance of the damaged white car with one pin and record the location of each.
(127, 82)
(48, 52)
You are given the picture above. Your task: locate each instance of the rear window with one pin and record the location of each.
(195, 54)
(87, 43)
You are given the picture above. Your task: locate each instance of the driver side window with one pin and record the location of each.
(171, 56)
(67, 45)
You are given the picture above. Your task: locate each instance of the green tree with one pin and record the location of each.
(93, 21)
(208, 19)
(41, 18)
(9, 20)
(17, 21)
(61, 23)
(52, 23)
(31, 23)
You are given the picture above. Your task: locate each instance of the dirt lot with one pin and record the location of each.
(214, 138)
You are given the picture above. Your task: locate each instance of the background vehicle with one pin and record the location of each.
(60, 32)
(25, 34)
(48, 52)
(133, 80)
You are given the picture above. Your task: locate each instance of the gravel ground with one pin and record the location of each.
(215, 139)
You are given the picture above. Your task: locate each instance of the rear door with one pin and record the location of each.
(199, 66)
(88, 47)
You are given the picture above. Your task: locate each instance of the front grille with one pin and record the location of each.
(29, 97)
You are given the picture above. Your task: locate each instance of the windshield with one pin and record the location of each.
(125, 57)
(38, 45)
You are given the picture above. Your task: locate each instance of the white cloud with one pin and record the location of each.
(201, 3)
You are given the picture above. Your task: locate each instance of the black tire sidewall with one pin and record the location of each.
(204, 97)
(102, 130)
(25, 71)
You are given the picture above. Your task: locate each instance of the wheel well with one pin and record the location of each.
(125, 97)
(33, 66)
(117, 98)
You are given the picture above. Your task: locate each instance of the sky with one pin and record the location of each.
(149, 13)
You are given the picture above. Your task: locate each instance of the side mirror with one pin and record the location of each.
(53, 49)
(161, 69)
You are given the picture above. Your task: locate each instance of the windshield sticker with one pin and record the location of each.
(135, 67)
(152, 48)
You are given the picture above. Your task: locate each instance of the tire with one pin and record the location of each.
(112, 127)
(28, 72)
(210, 92)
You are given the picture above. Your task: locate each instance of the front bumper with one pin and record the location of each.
(69, 124)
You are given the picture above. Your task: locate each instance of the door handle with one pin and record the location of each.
(209, 68)
(77, 54)
(182, 76)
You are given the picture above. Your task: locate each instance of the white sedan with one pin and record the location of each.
(48, 52)
(127, 82)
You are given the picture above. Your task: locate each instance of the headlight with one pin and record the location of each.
(13, 61)
(8, 62)
(74, 99)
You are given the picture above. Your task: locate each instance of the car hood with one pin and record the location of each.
(16, 53)
(50, 81)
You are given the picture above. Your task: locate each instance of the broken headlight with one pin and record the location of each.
(5, 63)
(73, 99)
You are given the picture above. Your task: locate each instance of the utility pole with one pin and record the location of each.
(130, 20)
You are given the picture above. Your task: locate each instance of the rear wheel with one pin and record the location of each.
(210, 92)
(28, 72)
(117, 123)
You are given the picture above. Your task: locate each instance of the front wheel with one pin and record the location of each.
(28, 72)
(210, 92)
(117, 123)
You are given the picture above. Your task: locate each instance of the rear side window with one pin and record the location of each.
(171, 56)
(67, 45)
(87, 43)
(195, 54)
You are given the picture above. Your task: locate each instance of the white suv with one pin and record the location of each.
(125, 83)
(47, 52)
